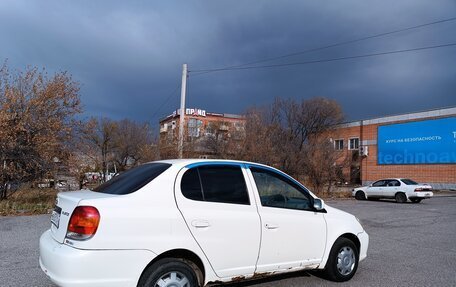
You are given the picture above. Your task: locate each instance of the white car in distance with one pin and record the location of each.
(400, 189)
(189, 223)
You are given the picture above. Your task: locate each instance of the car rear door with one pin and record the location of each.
(391, 188)
(221, 215)
(293, 233)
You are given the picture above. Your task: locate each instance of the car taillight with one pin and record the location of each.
(83, 223)
(418, 189)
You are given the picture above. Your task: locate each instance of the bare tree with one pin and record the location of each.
(260, 131)
(133, 144)
(36, 123)
(99, 135)
(117, 145)
(322, 164)
(222, 141)
(291, 135)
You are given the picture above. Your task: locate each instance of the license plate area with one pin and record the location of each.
(55, 216)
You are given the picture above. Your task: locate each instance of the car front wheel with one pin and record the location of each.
(169, 272)
(343, 260)
(359, 195)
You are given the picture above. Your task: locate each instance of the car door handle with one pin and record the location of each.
(200, 223)
(271, 226)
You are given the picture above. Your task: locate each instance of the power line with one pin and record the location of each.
(327, 60)
(327, 46)
(170, 95)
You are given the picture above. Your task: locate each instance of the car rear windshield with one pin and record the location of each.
(409, 181)
(133, 179)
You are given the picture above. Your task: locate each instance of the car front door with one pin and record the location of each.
(376, 189)
(293, 233)
(221, 215)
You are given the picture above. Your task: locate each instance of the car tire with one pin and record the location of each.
(401, 197)
(416, 200)
(343, 261)
(173, 271)
(359, 195)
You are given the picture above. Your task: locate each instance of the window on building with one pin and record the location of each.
(239, 126)
(224, 126)
(339, 144)
(191, 123)
(210, 128)
(194, 126)
(353, 144)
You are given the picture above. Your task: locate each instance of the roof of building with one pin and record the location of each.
(222, 115)
(440, 112)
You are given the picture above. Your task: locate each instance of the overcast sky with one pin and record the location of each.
(128, 55)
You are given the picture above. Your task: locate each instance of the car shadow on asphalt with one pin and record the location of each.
(391, 201)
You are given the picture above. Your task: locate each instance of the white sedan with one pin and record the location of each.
(189, 223)
(400, 189)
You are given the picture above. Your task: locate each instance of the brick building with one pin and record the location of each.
(420, 146)
(207, 134)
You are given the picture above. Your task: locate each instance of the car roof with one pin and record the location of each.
(185, 162)
(180, 163)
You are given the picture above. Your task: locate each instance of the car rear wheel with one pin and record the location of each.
(343, 260)
(416, 200)
(400, 197)
(169, 272)
(359, 195)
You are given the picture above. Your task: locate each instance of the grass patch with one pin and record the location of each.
(335, 194)
(28, 201)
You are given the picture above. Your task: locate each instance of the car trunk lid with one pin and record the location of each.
(423, 187)
(65, 204)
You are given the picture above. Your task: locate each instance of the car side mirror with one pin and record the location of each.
(318, 204)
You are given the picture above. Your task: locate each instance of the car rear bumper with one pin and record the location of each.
(424, 194)
(364, 240)
(68, 266)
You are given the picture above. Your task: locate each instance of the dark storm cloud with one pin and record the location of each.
(128, 55)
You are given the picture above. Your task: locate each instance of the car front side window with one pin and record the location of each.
(379, 183)
(278, 191)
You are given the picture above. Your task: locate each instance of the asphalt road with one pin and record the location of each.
(410, 245)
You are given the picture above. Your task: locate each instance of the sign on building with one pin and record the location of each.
(423, 142)
(192, 112)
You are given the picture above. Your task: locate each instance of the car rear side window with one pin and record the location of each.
(409, 181)
(217, 183)
(133, 179)
(393, 182)
(191, 185)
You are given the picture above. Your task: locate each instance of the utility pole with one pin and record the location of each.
(182, 111)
